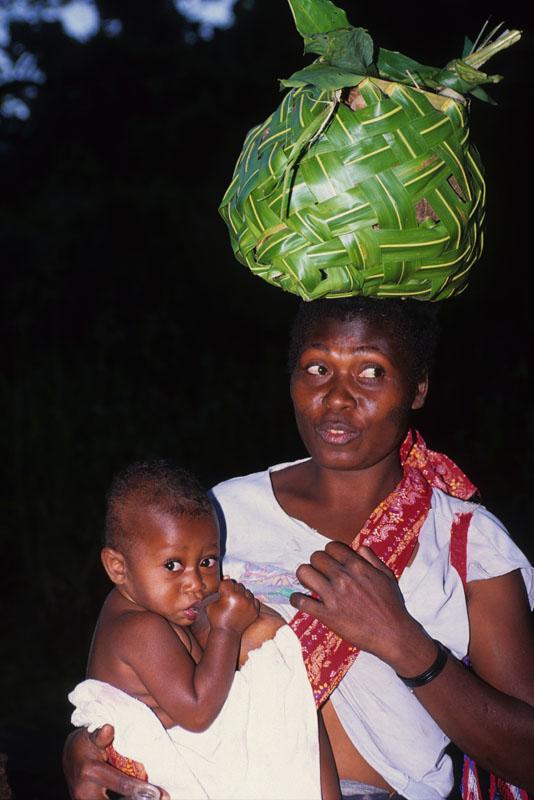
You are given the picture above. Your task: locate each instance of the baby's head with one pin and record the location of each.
(161, 535)
(158, 485)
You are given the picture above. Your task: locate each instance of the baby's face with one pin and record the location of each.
(173, 564)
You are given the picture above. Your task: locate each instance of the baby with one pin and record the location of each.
(170, 636)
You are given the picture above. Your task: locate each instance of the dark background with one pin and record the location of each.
(129, 330)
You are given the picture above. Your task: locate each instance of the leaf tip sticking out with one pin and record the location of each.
(317, 16)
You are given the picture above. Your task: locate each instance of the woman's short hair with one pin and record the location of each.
(412, 323)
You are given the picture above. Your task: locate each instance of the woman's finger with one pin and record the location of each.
(340, 552)
(352, 559)
(103, 736)
(305, 603)
(313, 579)
(104, 775)
(366, 553)
(334, 562)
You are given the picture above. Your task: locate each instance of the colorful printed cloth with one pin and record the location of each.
(391, 532)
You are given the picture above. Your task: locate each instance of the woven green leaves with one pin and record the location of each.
(383, 198)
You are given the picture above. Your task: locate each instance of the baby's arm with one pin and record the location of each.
(189, 694)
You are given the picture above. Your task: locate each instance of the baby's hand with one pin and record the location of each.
(235, 609)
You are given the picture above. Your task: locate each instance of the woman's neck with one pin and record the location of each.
(335, 502)
(366, 486)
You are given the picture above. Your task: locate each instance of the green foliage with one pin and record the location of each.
(347, 49)
(351, 50)
(317, 16)
(323, 76)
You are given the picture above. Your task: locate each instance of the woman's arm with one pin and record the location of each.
(261, 630)
(489, 711)
(490, 714)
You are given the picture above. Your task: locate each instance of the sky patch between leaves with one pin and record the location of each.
(81, 20)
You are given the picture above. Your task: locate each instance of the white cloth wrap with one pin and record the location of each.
(262, 746)
(383, 719)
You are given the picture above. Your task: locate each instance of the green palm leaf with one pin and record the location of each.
(317, 16)
(361, 181)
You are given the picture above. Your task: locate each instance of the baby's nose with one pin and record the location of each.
(194, 583)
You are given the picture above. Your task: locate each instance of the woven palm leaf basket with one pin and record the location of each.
(364, 180)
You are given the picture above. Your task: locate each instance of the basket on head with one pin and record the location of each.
(364, 181)
(386, 200)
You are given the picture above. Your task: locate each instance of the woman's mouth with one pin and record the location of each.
(337, 433)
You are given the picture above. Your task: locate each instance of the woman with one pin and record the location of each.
(358, 369)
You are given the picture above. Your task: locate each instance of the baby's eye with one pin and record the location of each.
(210, 562)
(173, 565)
(316, 369)
(372, 372)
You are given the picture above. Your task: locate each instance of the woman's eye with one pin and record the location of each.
(210, 562)
(316, 369)
(173, 566)
(372, 372)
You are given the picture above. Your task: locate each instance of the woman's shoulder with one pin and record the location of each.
(491, 550)
(243, 485)
(236, 484)
(445, 509)
(237, 495)
(244, 503)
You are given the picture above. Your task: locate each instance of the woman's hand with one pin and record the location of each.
(87, 772)
(360, 600)
(236, 608)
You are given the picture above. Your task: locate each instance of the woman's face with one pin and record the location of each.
(352, 394)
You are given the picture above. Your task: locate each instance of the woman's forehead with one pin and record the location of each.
(356, 335)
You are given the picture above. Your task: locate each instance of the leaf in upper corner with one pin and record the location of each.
(350, 49)
(324, 76)
(317, 16)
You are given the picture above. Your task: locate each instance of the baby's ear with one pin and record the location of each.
(114, 564)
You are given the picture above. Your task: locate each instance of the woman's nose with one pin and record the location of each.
(340, 394)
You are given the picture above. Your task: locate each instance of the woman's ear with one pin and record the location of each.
(114, 564)
(420, 394)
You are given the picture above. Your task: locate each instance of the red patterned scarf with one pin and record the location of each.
(391, 532)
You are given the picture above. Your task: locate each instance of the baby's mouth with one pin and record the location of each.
(192, 612)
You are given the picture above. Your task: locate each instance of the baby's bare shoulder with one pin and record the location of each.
(261, 630)
(125, 626)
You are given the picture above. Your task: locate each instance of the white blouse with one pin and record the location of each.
(384, 720)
